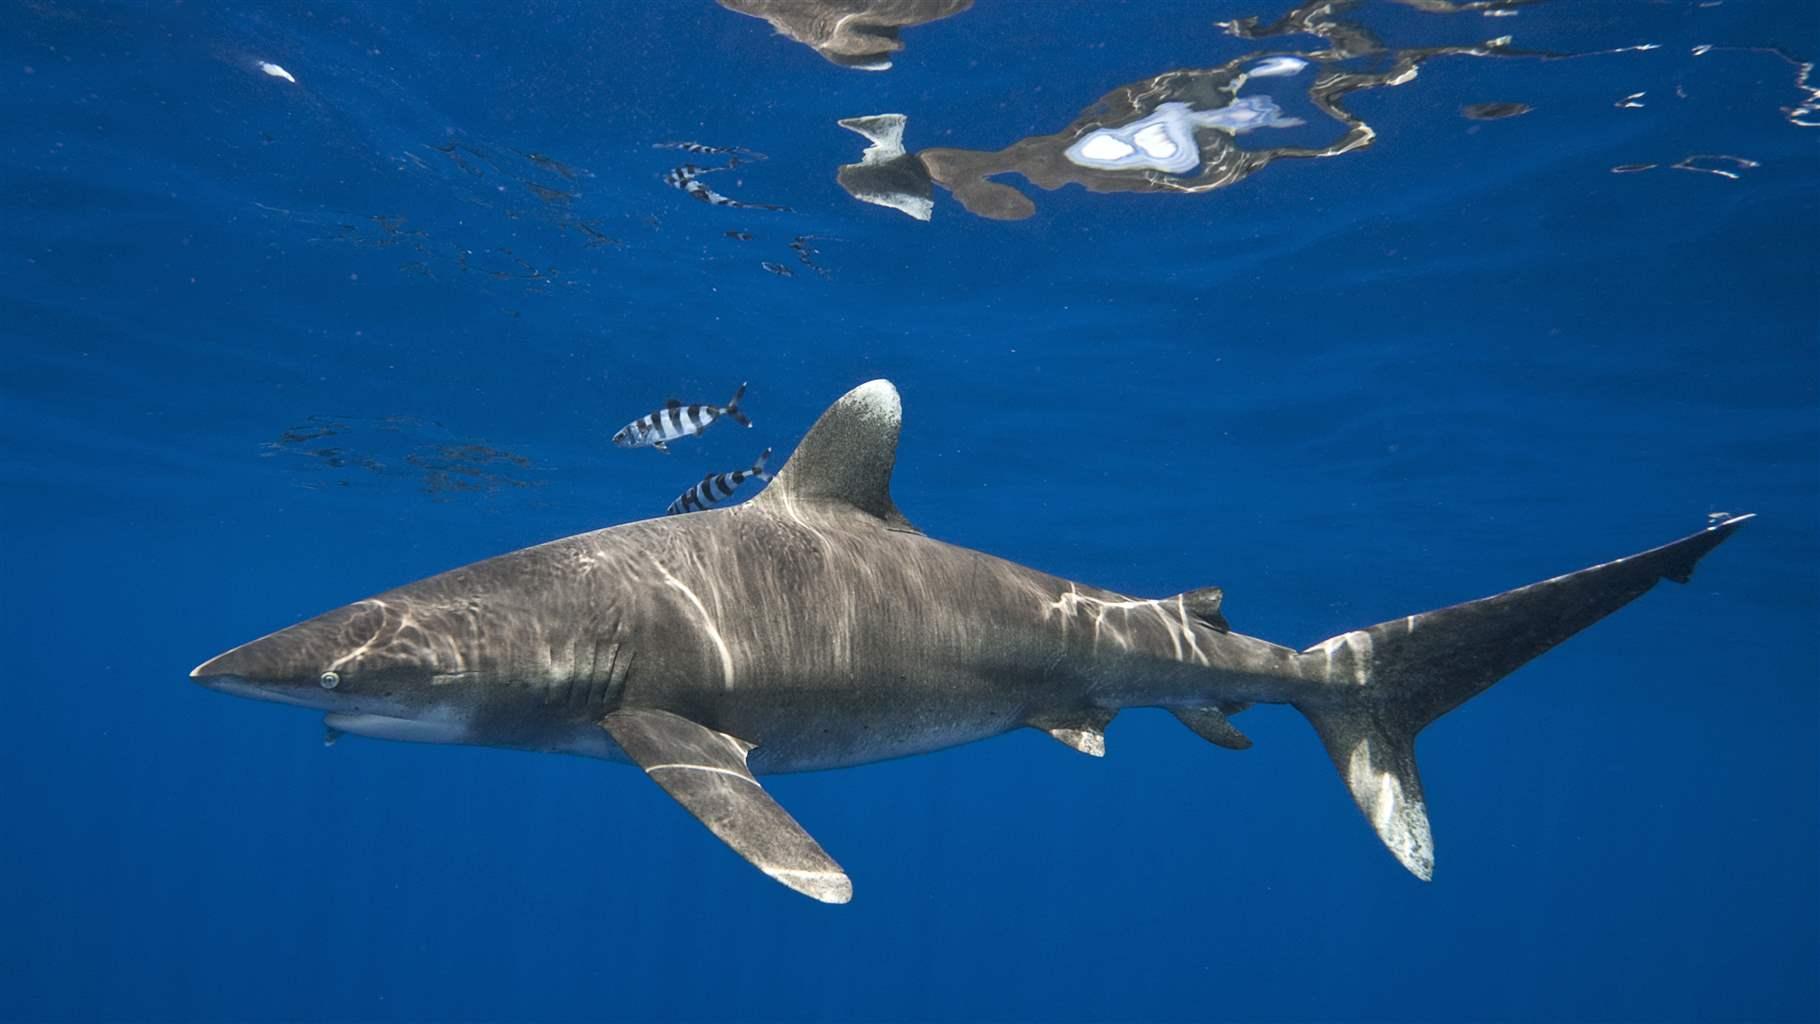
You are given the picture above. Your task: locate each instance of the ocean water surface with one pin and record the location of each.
(302, 302)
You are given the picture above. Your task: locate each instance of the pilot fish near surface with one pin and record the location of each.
(735, 155)
(718, 487)
(675, 421)
(687, 178)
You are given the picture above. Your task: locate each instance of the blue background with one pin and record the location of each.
(1464, 359)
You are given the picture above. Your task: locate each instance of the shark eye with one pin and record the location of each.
(330, 680)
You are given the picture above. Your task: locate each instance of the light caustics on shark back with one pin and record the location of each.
(815, 627)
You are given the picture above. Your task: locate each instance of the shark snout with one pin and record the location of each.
(231, 665)
(257, 670)
(273, 659)
(305, 664)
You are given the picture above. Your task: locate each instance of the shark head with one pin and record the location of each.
(371, 657)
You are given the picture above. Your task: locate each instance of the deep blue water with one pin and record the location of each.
(269, 349)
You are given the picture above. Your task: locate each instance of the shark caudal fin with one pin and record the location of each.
(1384, 684)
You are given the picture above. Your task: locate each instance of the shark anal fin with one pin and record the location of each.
(1084, 731)
(1212, 725)
(706, 772)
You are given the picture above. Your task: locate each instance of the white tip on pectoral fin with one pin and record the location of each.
(826, 886)
(705, 771)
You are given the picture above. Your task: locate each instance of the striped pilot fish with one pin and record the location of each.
(676, 421)
(687, 177)
(717, 487)
(735, 155)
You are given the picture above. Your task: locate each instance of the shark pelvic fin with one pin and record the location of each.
(706, 772)
(1084, 731)
(847, 457)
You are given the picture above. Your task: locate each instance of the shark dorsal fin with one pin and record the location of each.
(846, 458)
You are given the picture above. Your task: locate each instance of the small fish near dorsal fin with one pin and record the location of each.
(847, 457)
(1204, 604)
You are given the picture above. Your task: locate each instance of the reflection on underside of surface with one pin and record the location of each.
(858, 34)
(1188, 130)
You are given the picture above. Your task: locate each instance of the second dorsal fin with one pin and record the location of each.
(1204, 604)
(846, 458)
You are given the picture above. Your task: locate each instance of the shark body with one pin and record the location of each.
(813, 627)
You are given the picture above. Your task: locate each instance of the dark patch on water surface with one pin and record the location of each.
(468, 468)
(550, 163)
(806, 253)
(521, 188)
(398, 448)
(1494, 111)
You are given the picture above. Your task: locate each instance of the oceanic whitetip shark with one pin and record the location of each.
(813, 627)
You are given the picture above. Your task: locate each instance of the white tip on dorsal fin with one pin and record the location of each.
(884, 131)
(846, 458)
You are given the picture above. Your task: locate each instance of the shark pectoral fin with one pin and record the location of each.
(1084, 731)
(706, 772)
(1212, 725)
